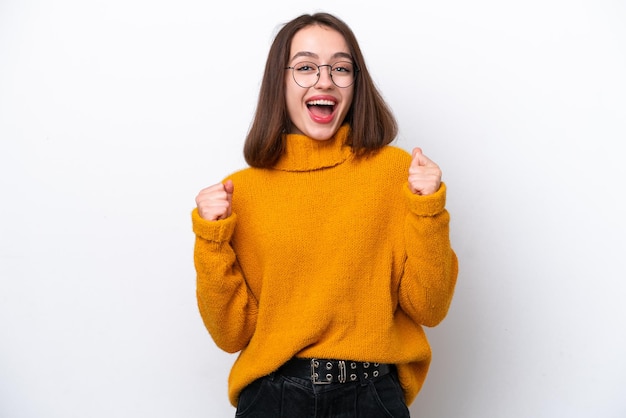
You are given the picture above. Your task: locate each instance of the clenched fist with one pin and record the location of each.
(214, 202)
(424, 174)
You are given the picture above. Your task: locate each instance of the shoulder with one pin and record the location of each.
(389, 165)
(394, 152)
(243, 173)
(390, 157)
(250, 180)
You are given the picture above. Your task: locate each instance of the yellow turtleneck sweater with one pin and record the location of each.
(328, 256)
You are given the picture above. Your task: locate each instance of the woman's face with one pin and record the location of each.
(318, 111)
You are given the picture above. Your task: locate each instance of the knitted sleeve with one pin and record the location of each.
(431, 266)
(226, 304)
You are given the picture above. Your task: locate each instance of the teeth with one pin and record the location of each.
(321, 103)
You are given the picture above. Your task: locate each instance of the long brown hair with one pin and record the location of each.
(371, 120)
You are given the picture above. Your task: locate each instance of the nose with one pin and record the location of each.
(325, 77)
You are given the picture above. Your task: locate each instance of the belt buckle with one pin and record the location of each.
(315, 376)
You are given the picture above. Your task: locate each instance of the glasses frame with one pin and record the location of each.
(319, 72)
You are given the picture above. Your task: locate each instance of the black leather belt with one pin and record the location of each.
(325, 371)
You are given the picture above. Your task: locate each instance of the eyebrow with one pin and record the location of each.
(313, 55)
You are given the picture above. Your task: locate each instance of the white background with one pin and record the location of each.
(113, 114)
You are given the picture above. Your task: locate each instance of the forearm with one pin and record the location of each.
(431, 266)
(226, 305)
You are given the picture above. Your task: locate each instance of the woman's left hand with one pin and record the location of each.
(424, 174)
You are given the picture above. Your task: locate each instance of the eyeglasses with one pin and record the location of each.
(307, 74)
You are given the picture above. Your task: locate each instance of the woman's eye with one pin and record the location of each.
(305, 67)
(342, 68)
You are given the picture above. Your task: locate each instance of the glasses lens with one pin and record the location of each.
(342, 73)
(305, 74)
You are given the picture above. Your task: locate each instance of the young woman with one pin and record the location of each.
(322, 261)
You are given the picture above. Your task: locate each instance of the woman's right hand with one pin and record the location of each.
(215, 202)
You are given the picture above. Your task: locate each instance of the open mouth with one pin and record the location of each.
(321, 108)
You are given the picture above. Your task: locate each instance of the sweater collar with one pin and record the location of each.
(305, 154)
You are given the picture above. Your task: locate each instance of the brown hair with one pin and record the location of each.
(371, 121)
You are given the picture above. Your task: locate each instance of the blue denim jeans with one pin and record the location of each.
(279, 396)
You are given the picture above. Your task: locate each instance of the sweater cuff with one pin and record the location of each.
(215, 231)
(429, 205)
